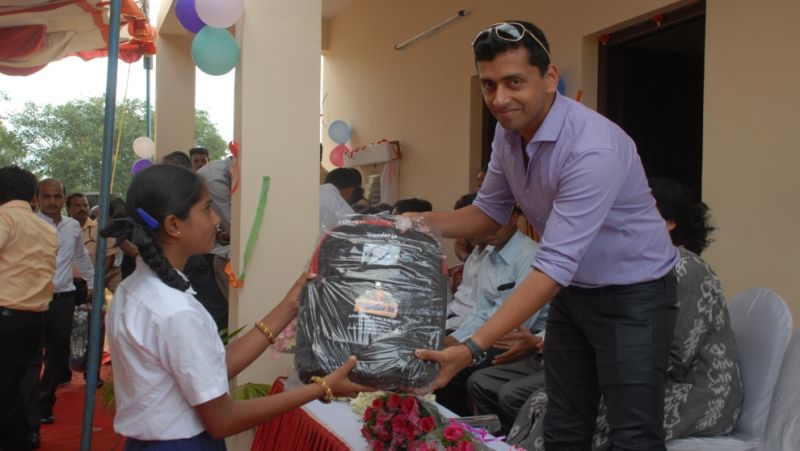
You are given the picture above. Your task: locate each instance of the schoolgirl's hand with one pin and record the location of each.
(342, 386)
(293, 296)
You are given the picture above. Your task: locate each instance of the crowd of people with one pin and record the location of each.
(582, 314)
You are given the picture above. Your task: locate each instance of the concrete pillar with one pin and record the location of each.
(277, 128)
(174, 105)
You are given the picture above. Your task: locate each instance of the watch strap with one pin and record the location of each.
(478, 354)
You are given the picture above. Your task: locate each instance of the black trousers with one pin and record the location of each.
(81, 293)
(57, 331)
(455, 395)
(199, 269)
(612, 341)
(20, 335)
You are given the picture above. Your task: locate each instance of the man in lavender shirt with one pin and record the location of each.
(606, 258)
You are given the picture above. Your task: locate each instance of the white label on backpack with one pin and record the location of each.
(380, 254)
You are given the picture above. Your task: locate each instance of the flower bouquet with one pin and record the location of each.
(453, 436)
(286, 341)
(400, 422)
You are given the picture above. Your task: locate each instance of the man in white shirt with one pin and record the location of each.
(334, 196)
(58, 319)
(78, 209)
(506, 264)
(460, 307)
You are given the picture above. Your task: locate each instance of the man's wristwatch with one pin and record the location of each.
(478, 354)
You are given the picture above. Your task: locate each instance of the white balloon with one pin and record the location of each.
(144, 147)
(219, 13)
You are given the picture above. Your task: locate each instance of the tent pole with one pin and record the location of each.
(148, 113)
(148, 67)
(93, 360)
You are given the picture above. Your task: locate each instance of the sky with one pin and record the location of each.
(73, 78)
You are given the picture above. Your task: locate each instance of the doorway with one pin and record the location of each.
(650, 82)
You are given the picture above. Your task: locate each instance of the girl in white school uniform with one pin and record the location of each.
(171, 370)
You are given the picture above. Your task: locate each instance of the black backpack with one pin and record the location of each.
(379, 294)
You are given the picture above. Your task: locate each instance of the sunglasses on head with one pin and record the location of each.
(508, 31)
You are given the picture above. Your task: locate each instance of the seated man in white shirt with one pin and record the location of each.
(334, 195)
(464, 280)
(460, 307)
(505, 265)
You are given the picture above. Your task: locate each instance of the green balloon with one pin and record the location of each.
(215, 51)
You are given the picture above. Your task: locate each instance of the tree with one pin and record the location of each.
(11, 149)
(206, 135)
(66, 141)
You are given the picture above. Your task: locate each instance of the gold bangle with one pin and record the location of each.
(263, 328)
(325, 388)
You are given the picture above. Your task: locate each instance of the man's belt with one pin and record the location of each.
(5, 311)
(63, 295)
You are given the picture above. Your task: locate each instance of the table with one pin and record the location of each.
(319, 427)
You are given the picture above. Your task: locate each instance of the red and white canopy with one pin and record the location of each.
(35, 32)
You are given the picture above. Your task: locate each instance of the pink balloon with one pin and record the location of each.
(337, 155)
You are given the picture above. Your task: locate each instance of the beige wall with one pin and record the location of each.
(751, 154)
(421, 96)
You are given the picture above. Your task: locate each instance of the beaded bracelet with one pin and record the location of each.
(325, 388)
(263, 328)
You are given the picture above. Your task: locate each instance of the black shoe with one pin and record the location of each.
(47, 418)
(36, 440)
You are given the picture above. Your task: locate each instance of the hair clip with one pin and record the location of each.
(149, 220)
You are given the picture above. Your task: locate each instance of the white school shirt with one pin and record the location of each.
(167, 356)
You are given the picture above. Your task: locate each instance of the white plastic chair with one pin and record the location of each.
(783, 422)
(762, 325)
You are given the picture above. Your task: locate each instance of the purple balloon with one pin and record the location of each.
(140, 165)
(187, 16)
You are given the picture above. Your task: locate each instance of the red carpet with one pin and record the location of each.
(65, 433)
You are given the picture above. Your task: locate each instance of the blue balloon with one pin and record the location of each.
(215, 51)
(561, 86)
(339, 132)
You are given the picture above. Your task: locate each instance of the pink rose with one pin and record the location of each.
(377, 404)
(376, 445)
(365, 432)
(465, 446)
(453, 432)
(394, 401)
(408, 404)
(427, 424)
(368, 414)
(384, 436)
